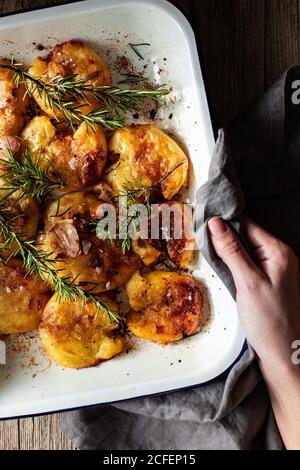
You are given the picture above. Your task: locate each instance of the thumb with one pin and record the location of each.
(230, 249)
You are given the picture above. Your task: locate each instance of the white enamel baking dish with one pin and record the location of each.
(29, 382)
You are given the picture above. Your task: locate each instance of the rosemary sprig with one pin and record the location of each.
(73, 114)
(120, 100)
(61, 95)
(137, 190)
(103, 232)
(134, 190)
(127, 197)
(116, 100)
(40, 262)
(56, 97)
(131, 192)
(126, 243)
(27, 176)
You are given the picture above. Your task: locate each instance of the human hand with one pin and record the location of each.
(268, 302)
(268, 294)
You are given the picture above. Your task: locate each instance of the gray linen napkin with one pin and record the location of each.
(255, 171)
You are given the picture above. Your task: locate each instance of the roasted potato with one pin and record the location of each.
(146, 251)
(166, 306)
(93, 262)
(37, 136)
(23, 216)
(147, 154)
(81, 206)
(76, 335)
(70, 58)
(13, 105)
(171, 226)
(13, 110)
(23, 298)
(179, 237)
(78, 159)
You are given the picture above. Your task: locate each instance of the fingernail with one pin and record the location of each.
(217, 227)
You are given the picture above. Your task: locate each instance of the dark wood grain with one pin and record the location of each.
(232, 35)
(246, 45)
(29, 4)
(282, 37)
(8, 6)
(184, 6)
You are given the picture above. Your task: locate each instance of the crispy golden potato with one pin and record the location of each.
(146, 251)
(70, 58)
(103, 191)
(147, 154)
(37, 135)
(23, 299)
(81, 206)
(172, 223)
(13, 105)
(79, 159)
(13, 110)
(24, 218)
(78, 336)
(95, 263)
(180, 242)
(102, 268)
(166, 306)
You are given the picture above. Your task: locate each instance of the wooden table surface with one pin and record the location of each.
(246, 45)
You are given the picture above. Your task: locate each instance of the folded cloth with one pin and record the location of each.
(255, 171)
(2, 352)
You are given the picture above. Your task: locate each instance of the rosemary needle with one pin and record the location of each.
(130, 78)
(134, 47)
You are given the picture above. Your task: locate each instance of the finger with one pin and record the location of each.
(230, 249)
(257, 236)
(271, 254)
(264, 244)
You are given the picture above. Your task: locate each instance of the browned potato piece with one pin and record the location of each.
(95, 263)
(23, 299)
(166, 306)
(78, 336)
(148, 254)
(24, 216)
(13, 109)
(37, 135)
(147, 154)
(173, 222)
(13, 106)
(79, 159)
(83, 206)
(180, 250)
(70, 58)
(102, 268)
